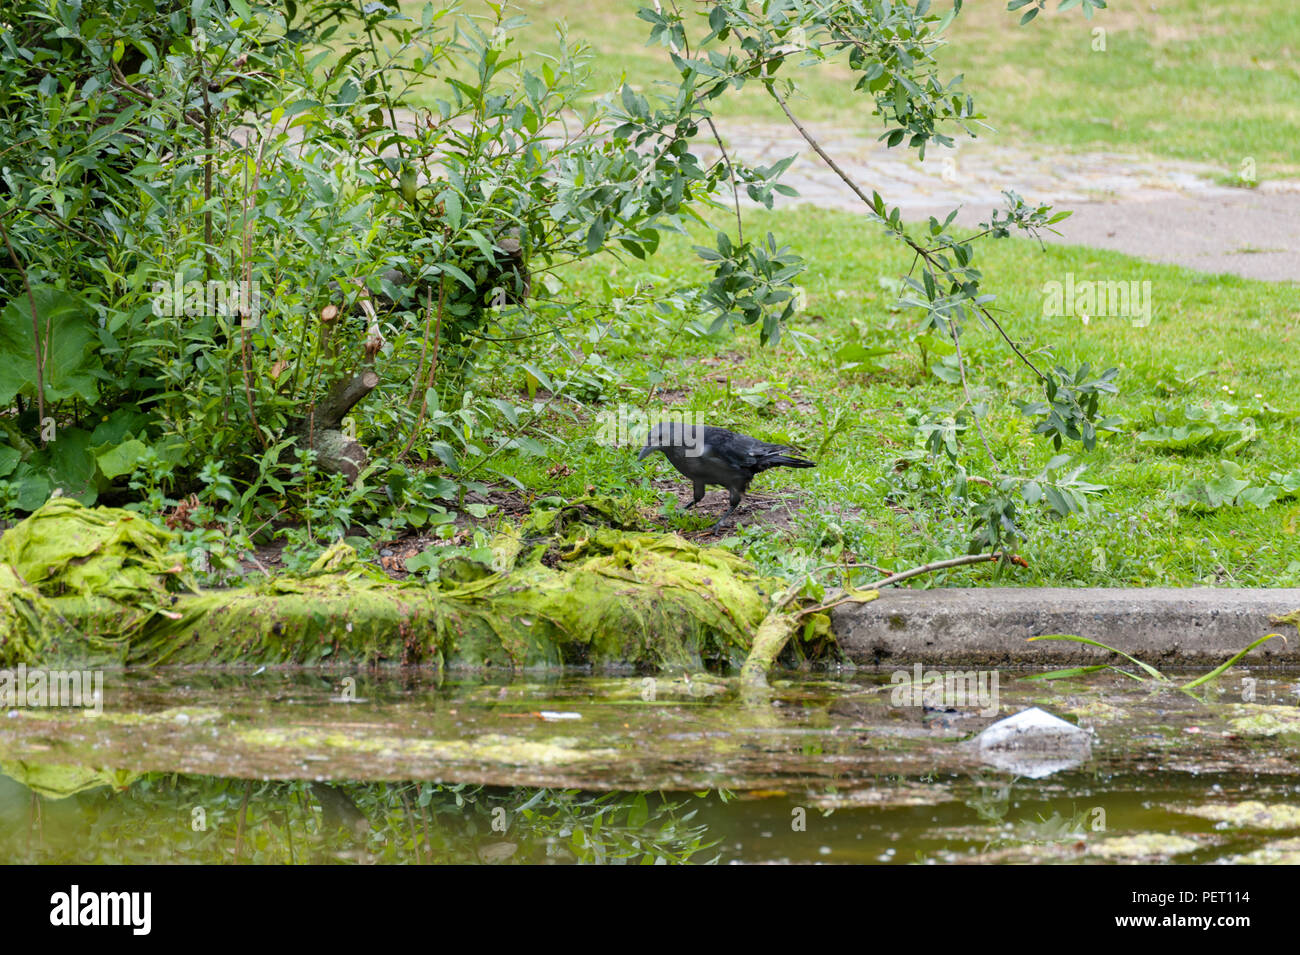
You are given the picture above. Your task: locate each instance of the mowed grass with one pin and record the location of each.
(1210, 82)
(1211, 338)
(1213, 82)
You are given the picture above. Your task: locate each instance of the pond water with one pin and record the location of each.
(357, 766)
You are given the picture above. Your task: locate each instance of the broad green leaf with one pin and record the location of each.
(67, 323)
(120, 459)
(69, 463)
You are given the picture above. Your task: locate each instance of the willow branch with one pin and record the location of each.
(913, 244)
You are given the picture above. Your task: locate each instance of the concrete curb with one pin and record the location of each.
(989, 626)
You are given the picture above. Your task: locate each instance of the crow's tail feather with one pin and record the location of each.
(786, 461)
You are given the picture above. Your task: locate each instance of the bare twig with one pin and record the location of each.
(410, 818)
(920, 250)
(120, 80)
(731, 174)
(424, 347)
(940, 565)
(207, 178)
(243, 816)
(849, 566)
(961, 365)
(36, 333)
(817, 147)
(62, 224)
(433, 365)
(908, 575)
(247, 247)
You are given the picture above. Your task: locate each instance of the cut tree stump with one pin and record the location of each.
(322, 428)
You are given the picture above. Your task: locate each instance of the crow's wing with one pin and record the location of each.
(743, 453)
(734, 450)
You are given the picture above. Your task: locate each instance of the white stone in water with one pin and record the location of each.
(1037, 731)
(1034, 743)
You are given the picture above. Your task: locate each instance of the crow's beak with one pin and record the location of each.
(646, 452)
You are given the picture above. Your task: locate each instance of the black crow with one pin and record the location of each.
(717, 456)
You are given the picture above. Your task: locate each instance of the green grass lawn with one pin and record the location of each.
(1212, 82)
(1211, 339)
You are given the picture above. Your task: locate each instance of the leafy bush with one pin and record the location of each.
(246, 220)
(221, 235)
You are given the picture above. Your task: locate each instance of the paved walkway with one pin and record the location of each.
(1163, 211)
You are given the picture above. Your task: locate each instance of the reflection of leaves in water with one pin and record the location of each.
(992, 802)
(1056, 828)
(155, 820)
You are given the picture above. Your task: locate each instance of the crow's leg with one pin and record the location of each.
(736, 494)
(699, 495)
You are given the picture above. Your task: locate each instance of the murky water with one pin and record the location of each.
(401, 766)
